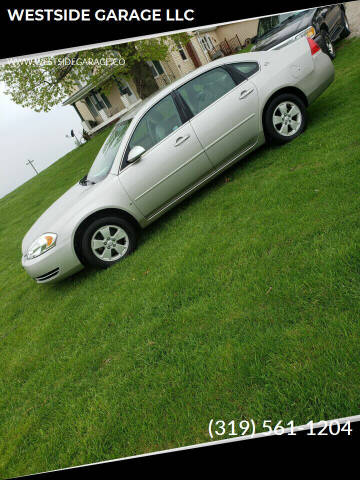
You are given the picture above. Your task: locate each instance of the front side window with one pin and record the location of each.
(156, 124)
(206, 89)
(106, 156)
(246, 68)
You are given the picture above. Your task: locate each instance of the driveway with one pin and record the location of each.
(353, 15)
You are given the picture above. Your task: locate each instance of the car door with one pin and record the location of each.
(173, 159)
(224, 105)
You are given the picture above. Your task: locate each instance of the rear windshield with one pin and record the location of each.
(106, 156)
(267, 24)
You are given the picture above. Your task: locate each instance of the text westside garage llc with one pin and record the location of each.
(100, 15)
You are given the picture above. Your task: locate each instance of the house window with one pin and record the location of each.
(181, 51)
(182, 54)
(206, 43)
(156, 68)
(91, 107)
(106, 100)
(123, 89)
(96, 102)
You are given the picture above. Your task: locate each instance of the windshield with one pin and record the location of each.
(106, 156)
(268, 24)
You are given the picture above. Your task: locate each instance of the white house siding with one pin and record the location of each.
(84, 111)
(204, 59)
(114, 98)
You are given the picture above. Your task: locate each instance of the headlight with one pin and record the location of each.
(309, 32)
(41, 245)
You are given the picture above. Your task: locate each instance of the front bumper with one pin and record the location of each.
(56, 264)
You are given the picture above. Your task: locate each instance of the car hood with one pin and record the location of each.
(289, 29)
(58, 213)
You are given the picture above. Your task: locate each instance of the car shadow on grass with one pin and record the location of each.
(235, 171)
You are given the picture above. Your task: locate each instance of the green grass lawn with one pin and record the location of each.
(243, 302)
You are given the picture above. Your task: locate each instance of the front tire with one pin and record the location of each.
(108, 240)
(346, 31)
(327, 44)
(285, 118)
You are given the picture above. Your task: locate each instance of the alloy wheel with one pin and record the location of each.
(287, 118)
(109, 243)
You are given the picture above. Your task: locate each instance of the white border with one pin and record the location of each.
(352, 419)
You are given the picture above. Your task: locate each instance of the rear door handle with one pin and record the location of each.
(181, 140)
(245, 93)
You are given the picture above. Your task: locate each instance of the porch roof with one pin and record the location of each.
(83, 91)
(79, 94)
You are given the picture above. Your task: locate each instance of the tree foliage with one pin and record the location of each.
(42, 83)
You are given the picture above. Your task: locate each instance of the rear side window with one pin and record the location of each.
(156, 124)
(206, 89)
(246, 68)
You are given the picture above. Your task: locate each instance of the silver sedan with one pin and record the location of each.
(170, 146)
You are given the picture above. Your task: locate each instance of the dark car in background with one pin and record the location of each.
(325, 25)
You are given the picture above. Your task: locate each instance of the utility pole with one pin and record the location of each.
(30, 162)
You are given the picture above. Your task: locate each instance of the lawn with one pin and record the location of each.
(243, 302)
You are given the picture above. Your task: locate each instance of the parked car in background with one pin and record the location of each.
(325, 25)
(171, 145)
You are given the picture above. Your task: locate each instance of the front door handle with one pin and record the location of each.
(245, 93)
(181, 140)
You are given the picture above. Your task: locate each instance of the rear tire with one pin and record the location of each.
(108, 240)
(285, 118)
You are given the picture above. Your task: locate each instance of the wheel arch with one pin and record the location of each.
(293, 90)
(99, 214)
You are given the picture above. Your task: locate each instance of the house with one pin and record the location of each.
(181, 59)
(227, 39)
(97, 109)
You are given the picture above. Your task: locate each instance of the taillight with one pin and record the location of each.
(314, 47)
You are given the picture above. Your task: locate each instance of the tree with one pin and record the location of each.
(42, 83)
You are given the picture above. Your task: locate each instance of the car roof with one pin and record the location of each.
(148, 102)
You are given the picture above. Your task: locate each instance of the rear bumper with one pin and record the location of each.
(322, 75)
(53, 265)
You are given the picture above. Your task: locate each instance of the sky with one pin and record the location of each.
(25, 134)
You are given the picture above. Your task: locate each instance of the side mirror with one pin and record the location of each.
(135, 153)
